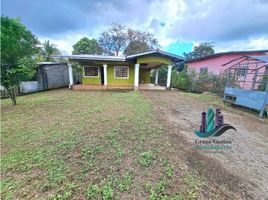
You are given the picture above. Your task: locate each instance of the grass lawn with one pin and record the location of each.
(66, 144)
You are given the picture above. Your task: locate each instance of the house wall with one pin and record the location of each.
(28, 87)
(92, 80)
(41, 78)
(110, 76)
(154, 59)
(52, 76)
(214, 65)
(57, 76)
(120, 81)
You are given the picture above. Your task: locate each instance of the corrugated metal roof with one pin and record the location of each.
(226, 53)
(261, 58)
(120, 58)
(50, 63)
(93, 57)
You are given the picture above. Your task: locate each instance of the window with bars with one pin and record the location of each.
(91, 71)
(241, 71)
(121, 72)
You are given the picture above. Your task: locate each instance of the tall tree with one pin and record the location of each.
(18, 47)
(87, 46)
(140, 42)
(49, 50)
(203, 49)
(114, 40)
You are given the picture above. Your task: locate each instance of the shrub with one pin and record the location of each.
(181, 80)
(189, 80)
(208, 82)
(263, 83)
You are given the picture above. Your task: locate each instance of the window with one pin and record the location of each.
(203, 70)
(91, 71)
(241, 71)
(121, 72)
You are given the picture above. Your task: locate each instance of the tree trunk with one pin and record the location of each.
(12, 94)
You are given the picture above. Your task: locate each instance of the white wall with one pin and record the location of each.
(28, 86)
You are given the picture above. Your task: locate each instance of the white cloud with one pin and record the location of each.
(65, 43)
(167, 13)
(231, 25)
(240, 45)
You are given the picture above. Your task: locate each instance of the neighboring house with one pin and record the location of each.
(246, 87)
(214, 63)
(247, 72)
(52, 75)
(126, 72)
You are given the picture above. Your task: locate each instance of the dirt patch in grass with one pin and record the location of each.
(242, 169)
(66, 144)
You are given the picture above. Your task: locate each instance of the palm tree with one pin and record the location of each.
(49, 50)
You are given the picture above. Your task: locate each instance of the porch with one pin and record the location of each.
(141, 86)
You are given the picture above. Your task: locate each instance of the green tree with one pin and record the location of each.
(87, 46)
(118, 38)
(140, 42)
(136, 47)
(18, 45)
(114, 39)
(49, 50)
(203, 49)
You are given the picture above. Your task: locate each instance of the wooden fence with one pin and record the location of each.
(4, 93)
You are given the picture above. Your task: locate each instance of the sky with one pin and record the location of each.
(231, 25)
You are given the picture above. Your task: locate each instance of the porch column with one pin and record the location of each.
(156, 77)
(71, 78)
(169, 76)
(105, 74)
(136, 81)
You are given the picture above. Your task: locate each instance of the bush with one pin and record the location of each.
(181, 80)
(217, 83)
(263, 83)
(189, 80)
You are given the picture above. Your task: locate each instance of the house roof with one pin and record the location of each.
(173, 57)
(261, 58)
(50, 63)
(226, 53)
(95, 57)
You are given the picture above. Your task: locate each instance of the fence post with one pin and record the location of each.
(254, 79)
(264, 101)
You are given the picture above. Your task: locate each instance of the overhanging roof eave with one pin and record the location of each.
(93, 58)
